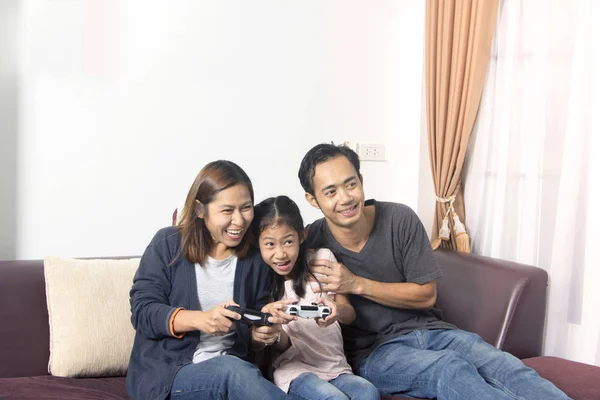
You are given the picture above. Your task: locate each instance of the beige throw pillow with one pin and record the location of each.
(89, 316)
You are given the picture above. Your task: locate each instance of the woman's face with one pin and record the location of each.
(227, 218)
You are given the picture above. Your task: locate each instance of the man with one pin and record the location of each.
(385, 264)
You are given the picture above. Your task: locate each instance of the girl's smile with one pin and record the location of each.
(282, 266)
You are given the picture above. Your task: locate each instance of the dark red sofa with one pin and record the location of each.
(502, 301)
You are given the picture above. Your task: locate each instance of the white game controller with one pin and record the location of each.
(308, 311)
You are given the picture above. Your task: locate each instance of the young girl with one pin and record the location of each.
(186, 344)
(312, 364)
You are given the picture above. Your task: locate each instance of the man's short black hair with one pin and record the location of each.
(319, 154)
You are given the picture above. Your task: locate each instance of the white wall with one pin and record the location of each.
(9, 15)
(122, 102)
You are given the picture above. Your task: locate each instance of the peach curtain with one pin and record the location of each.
(458, 39)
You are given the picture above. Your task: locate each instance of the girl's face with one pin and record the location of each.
(227, 218)
(279, 246)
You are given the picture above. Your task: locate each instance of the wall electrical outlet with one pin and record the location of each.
(371, 152)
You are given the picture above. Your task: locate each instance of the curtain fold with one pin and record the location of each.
(532, 172)
(458, 39)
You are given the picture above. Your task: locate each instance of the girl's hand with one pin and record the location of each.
(267, 335)
(218, 321)
(277, 310)
(331, 318)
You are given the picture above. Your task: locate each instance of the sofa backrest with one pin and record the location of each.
(24, 332)
(502, 301)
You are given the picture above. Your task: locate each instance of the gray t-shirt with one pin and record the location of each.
(397, 250)
(215, 285)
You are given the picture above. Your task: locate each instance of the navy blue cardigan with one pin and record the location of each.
(158, 290)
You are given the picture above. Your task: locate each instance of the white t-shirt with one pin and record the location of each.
(313, 349)
(214, 280)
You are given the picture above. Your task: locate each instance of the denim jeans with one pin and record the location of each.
(308, 386)
(223, 377)
(452, 364)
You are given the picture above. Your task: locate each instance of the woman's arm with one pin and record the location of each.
(151, 313)
(217, 321)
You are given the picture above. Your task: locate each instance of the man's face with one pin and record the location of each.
(338, 192)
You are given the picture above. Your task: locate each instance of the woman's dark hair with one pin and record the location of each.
(276, 211)
(196, 240)
(319, 154)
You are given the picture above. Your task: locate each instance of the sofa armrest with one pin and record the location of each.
(24, 331)
(504, 302)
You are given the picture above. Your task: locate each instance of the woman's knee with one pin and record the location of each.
(230, 371)
(240, 369)
(243, 376)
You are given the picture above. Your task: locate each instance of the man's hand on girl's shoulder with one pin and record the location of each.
(334, 276)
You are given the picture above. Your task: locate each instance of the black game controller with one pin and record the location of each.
(251, 317)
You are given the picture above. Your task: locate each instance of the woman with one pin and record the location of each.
(187, 345)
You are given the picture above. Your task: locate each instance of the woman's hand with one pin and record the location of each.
(331, 318)
(218, 321)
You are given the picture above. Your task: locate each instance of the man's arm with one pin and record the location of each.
(346, 313)
(398, 295)
(337, 278)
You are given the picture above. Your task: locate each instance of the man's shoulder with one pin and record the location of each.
(394, 208)
(315, 234)
(396, 213)
(315, 225)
